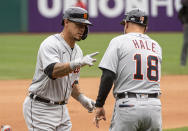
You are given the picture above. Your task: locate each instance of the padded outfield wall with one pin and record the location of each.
(13, 16)
(45, 15)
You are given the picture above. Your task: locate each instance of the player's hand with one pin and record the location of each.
(87, 103)
(99, 115)
(86, 60)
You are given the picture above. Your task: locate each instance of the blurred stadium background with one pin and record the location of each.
(45, 15)
(24, 24)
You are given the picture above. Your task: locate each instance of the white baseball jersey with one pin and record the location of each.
(54, 49)
(136, 60)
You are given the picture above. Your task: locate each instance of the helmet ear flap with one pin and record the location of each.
(84, 36)
(62, 22)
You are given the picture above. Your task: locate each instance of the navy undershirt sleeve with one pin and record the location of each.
(106, 83)
(49, 70)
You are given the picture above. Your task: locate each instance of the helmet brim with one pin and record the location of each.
(84, 21)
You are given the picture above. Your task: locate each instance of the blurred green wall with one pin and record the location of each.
(13, 16)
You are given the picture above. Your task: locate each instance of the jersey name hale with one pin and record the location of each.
(54, 49)
(136, 60)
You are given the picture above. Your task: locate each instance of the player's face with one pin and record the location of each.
(77, 30)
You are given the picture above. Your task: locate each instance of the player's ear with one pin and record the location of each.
(66, 21)
(146, 28)
(125, 27)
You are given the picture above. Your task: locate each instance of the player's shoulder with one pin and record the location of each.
(51, 40)
(124, 37)
(121, 39)
(118, 39)
(50, 43)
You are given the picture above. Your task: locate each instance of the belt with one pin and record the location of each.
(137, 95)
(40, 99)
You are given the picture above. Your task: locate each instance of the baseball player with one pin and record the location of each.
(56, 76)
(132, 62)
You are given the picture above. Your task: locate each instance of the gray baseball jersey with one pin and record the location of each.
(136, 61)
(54, 49)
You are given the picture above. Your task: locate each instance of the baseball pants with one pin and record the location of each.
(133, 114)
(40, 116)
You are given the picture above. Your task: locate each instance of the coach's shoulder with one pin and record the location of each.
(155, 41)
(117, 37)
(120, 38)
(116, 41)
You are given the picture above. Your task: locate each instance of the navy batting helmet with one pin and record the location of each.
(76, 14)
(136, 16)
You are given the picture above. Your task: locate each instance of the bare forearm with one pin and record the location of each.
(61, 69)
(75, 91)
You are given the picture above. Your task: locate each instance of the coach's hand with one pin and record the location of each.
(86, 102)
(99, 115)
(86, 60)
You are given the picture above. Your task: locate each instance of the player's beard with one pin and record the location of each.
(76, 39)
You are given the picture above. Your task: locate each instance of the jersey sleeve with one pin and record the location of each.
(48, 54)
(110, 58)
